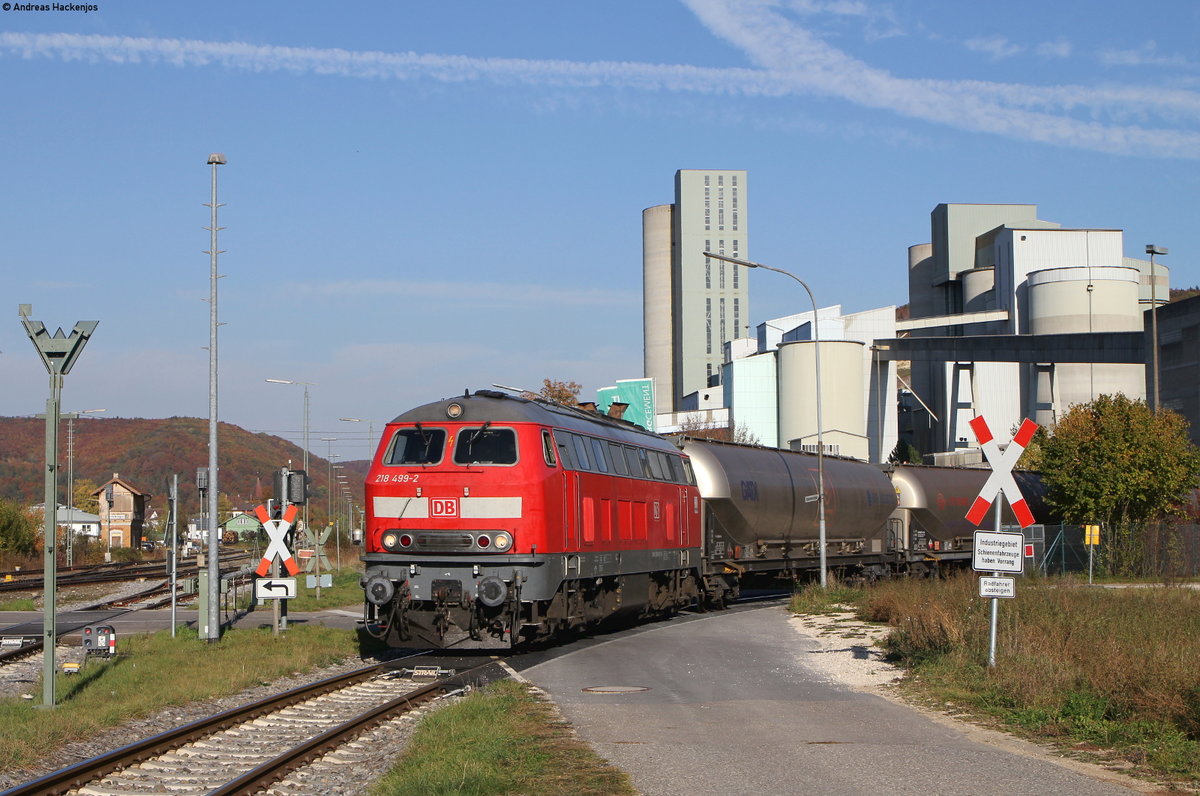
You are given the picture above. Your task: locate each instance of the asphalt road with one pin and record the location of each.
(722, 704)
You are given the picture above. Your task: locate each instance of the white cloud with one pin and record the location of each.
(1146, 55)
(1059, 48)
(475, 293)
(790, 61)
(996, 46)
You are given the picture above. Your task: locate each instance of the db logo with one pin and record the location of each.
(443, 507)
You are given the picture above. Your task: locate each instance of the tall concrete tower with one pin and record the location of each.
(708, 299)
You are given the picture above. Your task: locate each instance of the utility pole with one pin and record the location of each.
(58, 353)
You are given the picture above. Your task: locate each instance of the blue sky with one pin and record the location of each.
(422, 198)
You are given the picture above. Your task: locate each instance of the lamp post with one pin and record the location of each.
(1152, 250)
(306, 385)
(70, 416)
(210, 625)
(820, 423)
(370, 431)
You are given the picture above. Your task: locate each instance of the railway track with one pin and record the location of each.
(31, 580)
(246, 749)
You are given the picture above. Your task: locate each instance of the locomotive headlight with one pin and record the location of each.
(454, 411)
(503, 541)
(391, 540)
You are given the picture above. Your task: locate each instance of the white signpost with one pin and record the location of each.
(274, 588)
(997, 587)
(999, 552)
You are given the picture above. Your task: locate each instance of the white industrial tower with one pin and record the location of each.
(693, 305)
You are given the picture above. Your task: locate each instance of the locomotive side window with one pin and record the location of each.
(581, 454)
(677, 472)
(617, 457)
(564, 450)
(655, 460)
(691, 474)
(486, 445)
(548, 448)
(598, 449)
(636, 459)
(417, 446)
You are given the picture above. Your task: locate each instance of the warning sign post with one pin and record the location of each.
(998, 552)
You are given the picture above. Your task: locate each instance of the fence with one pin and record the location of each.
(1167, 550)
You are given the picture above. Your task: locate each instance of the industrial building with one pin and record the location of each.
(1010, 316)
(1046, 318)
(693, 305)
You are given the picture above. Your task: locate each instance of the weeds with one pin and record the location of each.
(500, 740)
(1110, 668)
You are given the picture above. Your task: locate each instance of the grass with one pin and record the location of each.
(501, 740)
(345, 591)
(1108, 671)
(23, 604)
(155, 671)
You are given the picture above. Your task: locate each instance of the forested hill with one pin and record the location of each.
(147, 452)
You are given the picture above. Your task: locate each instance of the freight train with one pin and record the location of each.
(504, 519)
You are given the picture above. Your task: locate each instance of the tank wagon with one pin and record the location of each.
(503, 519)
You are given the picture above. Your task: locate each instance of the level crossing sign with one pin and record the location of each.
(1001, 479)
(276, 548)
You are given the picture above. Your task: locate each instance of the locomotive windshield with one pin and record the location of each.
(485, 445)
(417, 446)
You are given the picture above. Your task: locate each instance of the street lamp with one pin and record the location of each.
(370, 431)
(306, 385)
(1152, 250)
(820, 423)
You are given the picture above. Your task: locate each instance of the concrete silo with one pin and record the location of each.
(842, 406)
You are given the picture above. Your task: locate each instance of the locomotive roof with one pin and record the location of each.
(500, 407)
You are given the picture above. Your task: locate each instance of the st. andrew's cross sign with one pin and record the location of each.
(1001, 479)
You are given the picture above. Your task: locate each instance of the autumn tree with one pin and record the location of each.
(18, 531)
(1115, 462)
(83, 497)
(695, 426)
(558, 391)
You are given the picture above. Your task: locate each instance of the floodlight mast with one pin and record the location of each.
(210, 624)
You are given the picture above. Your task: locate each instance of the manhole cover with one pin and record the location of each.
(614, 689)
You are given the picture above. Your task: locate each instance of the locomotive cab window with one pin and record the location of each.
(485, 445)
(417, 446)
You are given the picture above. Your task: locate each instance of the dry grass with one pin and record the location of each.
(1113, 668)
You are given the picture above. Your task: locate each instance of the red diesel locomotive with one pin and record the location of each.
(495, 516)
